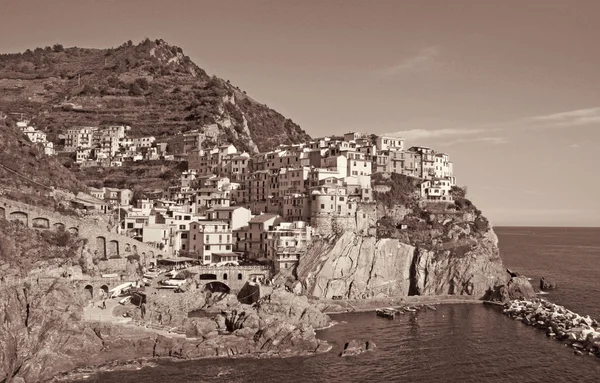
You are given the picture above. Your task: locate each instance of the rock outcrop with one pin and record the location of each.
(355, 266)
(547, 284)
(355, 347)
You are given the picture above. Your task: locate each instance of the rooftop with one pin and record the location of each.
(263, 218)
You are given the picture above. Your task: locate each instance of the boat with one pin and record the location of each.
(389, 313)
(409, 309)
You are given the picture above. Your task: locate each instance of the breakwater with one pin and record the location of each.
(581, 333)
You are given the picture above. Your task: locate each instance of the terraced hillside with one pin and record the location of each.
(153, 87)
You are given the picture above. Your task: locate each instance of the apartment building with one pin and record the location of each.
(286, 243)
(208, 238)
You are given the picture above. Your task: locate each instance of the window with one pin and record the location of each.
(194, 236)
(341, 198)
(130, 225)
(207, 247)
(184, 235)
(322, 207)
(227, 247)
(181, 227)
(240, 276)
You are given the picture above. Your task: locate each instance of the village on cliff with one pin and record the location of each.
(231, 206)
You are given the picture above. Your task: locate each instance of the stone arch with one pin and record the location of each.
(224, 276)
(207, 277)
(59, 226)
(40, 223)
(113, 249)
(217, 287)
(2, 213)
(88, 292)
(104, 290)
(19, 216)
(101, 247)
(239, 276)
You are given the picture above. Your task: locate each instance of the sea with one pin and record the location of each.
(456, 343)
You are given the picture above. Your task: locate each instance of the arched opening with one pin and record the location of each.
(134, 249)
(217, 287)
(40, 223)
(88, 292)
(224, 276)
(19, 216)
(104, 290)
(58, 226)
(74, 230)
(101, 247)
(207, 277)
(113, 249)
(2, 213)
(239, 276)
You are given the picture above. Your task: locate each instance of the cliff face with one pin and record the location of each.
(402, 246)
(355, 266)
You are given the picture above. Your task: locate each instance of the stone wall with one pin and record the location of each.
(100, 242)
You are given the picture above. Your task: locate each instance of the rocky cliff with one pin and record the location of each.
(43, 334)
(403, 246)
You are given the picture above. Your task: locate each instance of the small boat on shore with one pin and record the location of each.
(389, 313)
(409, 309)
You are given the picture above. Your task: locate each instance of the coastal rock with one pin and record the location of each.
(355, 347)
(516, 288)
(356, 266)
(547, 284)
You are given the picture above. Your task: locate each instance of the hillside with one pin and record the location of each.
(27, 174)
(152, 87)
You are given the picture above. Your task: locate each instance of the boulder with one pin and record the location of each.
(355, 347)
(546, 284)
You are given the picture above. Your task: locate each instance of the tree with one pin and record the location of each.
(135, 90)
(58, 48)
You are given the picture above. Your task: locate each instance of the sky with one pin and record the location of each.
(510, 89)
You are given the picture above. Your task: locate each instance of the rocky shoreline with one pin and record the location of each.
(579, 332)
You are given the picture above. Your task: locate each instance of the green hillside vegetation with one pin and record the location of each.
(152, 87)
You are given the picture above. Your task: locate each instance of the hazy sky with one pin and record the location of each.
(510, 89)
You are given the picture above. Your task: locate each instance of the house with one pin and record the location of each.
(286, 243)
(208, 238)
(437, 190)
(235, 216)
(386, 143)
(257, 234)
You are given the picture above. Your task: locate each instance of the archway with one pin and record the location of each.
(207, 277)
(58, 226)
(101, 247)
(239, 276)
(217, 287)
(104, 290)
(40, 223)
(88, 292)
(19, 216)
(113, 249)
(224, 276)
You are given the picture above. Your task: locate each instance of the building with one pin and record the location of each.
(143, 142)
(286, 243)
(235, 216)
(208, 238)
(385, 143)
(437, 190)
(183, 144)
(79, 138)
(257, 234)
